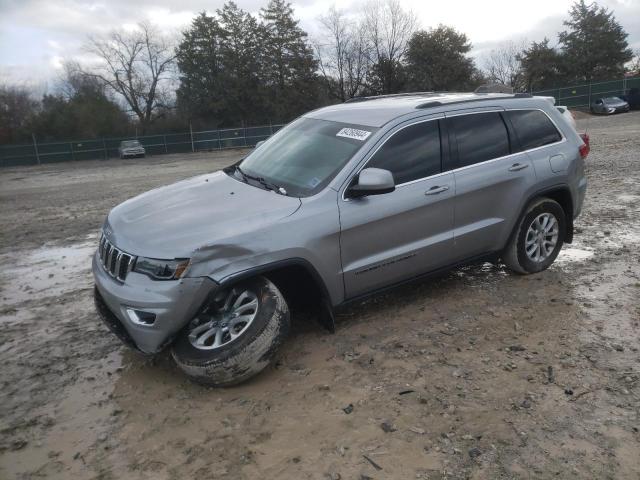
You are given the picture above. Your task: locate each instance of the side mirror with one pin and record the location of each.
(259, 144)
(372, 181)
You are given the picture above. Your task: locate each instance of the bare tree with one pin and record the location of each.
(342, 54)
(136, 66)
(389, 28)
(502, 64)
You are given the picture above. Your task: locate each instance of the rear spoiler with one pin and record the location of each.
(550, 99)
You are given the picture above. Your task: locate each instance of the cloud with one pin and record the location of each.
(36, 34)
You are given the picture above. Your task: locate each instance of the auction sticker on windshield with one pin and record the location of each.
(353, 133)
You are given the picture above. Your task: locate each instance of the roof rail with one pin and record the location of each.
(356, 99)
(390, 95)
(480, 97)
(429, 104)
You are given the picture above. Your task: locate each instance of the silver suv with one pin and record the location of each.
(341, 203)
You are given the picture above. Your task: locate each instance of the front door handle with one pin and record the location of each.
(435, 190)
(517, 166)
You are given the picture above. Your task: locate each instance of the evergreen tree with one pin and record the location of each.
(386, 77)
(17, 112)
(244, 99)
(542, 66)
(199, 58)
(595, 44)
(437, 60)
(289, 64)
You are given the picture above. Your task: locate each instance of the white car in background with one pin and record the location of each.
(566, 113)
(564, 110)
(131, 148)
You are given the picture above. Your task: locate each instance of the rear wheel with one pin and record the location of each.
(538, 238)
(236, 337)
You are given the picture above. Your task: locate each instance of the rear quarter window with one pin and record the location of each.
(533, 128)
(480, 137)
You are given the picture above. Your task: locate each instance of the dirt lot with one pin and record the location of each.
(478, 374)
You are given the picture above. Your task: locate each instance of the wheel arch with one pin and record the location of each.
(562, 195)
(297, 279)
(558, 193)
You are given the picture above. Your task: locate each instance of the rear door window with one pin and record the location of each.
(411, 153)
(480, 137)
(533, 128)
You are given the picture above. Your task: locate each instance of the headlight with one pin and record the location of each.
(161, 269)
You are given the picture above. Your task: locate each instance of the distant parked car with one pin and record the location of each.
(633, 98)
(609, 105)
(131, 148)
(566, 113)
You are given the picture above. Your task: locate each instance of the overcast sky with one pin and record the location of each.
(37, 35)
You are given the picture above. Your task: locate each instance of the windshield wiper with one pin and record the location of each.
(244, 175)
(261, 181)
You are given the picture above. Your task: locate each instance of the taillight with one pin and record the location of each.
(584, 148)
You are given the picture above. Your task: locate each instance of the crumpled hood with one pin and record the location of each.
(175, 220)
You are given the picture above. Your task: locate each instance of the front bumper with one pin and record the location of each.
(132, 153)
(174, 303)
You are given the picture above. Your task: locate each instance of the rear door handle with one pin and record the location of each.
(517, 166)
(435, 190)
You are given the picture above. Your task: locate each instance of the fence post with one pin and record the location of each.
(164, 139)
(589, 102)
(35, 147)
(219, 144)
(104, 147)
(559, 103)
(71, 147)
(191, 133)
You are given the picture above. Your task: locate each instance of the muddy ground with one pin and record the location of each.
(478, 374)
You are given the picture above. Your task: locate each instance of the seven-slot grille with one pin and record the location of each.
(115, 262)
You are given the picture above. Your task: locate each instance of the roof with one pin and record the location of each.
(376, 111)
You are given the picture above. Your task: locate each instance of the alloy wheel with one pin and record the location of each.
(542, 237)
(224, 323)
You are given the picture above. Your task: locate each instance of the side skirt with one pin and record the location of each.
(493, 256)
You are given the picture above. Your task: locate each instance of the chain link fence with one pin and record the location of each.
(102, 149)
(576, 96)
(581, 96)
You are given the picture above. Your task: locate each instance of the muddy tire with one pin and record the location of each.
(538, 238)
(219, 359)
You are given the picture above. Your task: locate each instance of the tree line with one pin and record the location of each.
(231, 68)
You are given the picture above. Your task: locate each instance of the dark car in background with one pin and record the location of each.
(632, 98)
(609, 105)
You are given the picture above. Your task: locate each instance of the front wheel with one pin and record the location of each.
(538, 238)
(236, 336)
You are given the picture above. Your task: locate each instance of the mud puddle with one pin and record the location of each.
(568, 255)
(49, 270)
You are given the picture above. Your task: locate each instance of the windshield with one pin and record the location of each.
(305, 155)
(130, 143)
(612, 100)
